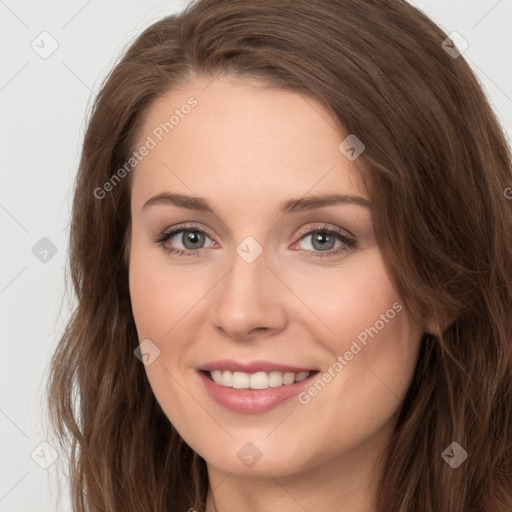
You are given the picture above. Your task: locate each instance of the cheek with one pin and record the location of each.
(348, 301)
(159, 300)
(146, 296)
(366, 324)
(160, 294)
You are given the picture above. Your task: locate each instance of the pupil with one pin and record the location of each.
(322, 237)
(194, 238)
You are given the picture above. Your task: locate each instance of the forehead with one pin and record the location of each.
(237, 136)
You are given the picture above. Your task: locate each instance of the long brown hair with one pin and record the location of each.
(436, 167)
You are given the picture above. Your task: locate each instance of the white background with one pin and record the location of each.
(43, 104)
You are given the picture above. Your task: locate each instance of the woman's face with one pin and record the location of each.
(271, 284)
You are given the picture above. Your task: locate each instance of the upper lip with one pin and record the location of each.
(252, 367)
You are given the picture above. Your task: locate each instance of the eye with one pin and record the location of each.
(191, 239)
(323, 242)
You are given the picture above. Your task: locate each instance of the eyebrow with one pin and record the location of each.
(289, 206)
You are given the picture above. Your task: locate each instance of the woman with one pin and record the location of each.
(290, 248)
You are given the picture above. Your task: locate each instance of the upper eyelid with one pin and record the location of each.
(324, 227)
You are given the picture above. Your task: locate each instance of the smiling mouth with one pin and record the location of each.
(258, 380)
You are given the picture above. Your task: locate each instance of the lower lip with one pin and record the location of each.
(252, 400)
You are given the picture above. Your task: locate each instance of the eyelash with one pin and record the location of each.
(349, 242)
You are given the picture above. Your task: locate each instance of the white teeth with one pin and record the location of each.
(288, 378)
(226, 379)
(301, 376)
(240, 380)
(259, 380)
(275, 379)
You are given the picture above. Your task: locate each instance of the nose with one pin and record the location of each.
(249, 300)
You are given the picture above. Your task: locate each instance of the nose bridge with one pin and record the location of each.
(246, 297)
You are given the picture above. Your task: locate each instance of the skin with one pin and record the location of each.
(247, 148)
